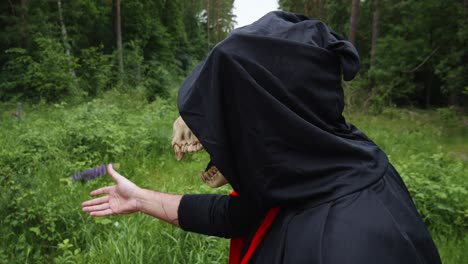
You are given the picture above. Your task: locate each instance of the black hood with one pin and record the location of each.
(267, 105)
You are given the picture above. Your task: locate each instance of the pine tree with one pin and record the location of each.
(353, 21)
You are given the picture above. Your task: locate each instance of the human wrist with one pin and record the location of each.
(140, 200)
(163, 206)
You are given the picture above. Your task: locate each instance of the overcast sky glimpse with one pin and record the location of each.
(247, 11)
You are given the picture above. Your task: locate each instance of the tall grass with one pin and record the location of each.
(40, 214)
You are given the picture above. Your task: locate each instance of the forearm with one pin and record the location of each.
(217, 215)
(163, 206)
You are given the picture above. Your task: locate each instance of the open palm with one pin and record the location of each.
(119, 199)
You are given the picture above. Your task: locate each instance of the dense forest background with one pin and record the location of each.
(91, 82)
(51, 50)
(413, 52)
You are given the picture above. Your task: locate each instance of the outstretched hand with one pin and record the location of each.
(121, 198)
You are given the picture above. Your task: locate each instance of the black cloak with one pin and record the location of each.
(267, 106)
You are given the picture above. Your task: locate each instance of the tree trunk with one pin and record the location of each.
(353, 22)
(317, 9)
(428, 85)
(12, 8)
(306, 8)
(322, 12)
(453, 98)
(375, 31)
(24, 3)
(66, 45)
(207, 6)
(24, 28)
(118, 32)
(217, 7)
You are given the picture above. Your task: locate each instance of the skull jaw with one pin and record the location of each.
(213, 178)
(180, 151)
(183, 142)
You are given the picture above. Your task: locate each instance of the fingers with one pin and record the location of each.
(99, 207)
(96, 201)
(101, 213)
(104, 190)
(115, 175)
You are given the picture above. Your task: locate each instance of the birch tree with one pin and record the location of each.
(66, 44)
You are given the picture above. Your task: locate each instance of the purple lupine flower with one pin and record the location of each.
(90, 174)
(103, 169)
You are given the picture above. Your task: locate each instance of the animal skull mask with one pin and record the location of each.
(184, 141)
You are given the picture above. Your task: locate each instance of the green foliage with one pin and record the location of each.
(420, 52)
(420, 61)
(39, 155)
(419, 145)
(448, 115)
(450, 250)
(157, 80)
(153, 77)
(338, 13)
(40, 216)
(218, 19)
(42, 75)
(419, 55)
(435, 181)
(94, 71)
(144, 27)
(196, 30)
(452, 68)
(36, 66)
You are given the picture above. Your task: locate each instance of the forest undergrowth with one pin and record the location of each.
(40, 212)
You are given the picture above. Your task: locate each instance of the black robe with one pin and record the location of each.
(267, 106)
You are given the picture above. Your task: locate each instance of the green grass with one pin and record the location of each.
(40, 214)
(430, 152)
(452, 250)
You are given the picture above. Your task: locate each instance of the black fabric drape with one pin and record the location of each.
(267, 105)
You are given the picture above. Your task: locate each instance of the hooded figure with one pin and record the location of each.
(267, 105)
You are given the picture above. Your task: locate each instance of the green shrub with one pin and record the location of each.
(40, 215)
(44, 75)
(150, 75)
(438, 187)
(419, 145)
(94, 71)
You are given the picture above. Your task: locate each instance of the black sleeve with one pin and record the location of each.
(218, 215)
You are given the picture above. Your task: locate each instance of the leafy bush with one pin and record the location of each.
(94, 71)
(40, 216)
(439, 190)
(44, 75)
(39, 204)
(418, 144)
(150, 75)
